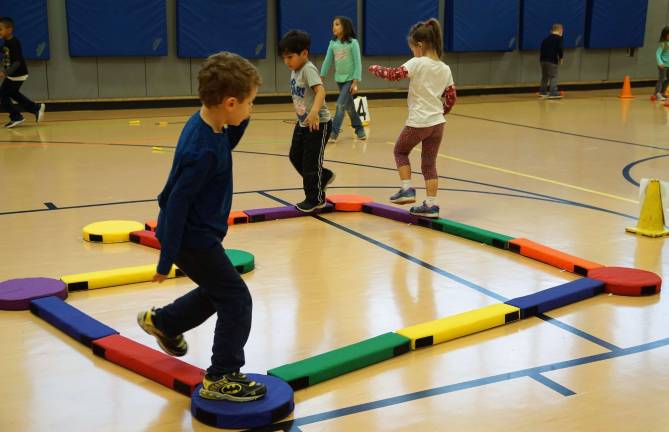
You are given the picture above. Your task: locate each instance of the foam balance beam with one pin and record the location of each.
(151, 225)
(146, 238)
(551, 256)
(390, 212)
(285, 212)
(114, 277)
(337, 362)
(237, 217)
(155, 365)
(556, 297)
(70, 320)
(469, 232)
(463, 324)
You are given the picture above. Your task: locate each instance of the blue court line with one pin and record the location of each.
(626, 170)
(578, 332)
(564, 391)
(453, 277)
(560, 132)
(450, 388)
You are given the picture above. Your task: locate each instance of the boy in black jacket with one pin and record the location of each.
(551, 57)
(15, 72)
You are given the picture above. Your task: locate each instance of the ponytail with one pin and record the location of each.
(429, 33)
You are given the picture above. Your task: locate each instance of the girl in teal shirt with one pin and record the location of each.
(345, 50)
(662, 57)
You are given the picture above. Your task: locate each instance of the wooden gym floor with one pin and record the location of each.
(557, 172)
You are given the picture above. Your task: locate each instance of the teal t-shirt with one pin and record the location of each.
(662, 54)
(346, 55)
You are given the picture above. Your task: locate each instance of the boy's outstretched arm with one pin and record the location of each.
(235, 133)
(389, 73)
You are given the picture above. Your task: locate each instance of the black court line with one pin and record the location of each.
(86, 143)
(626, 170)
(564, 391)
(451, 388)
(560, 132)
(451, 276)
(50, 205)
(551, 200)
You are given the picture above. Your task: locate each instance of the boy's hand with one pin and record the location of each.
(160, 278)
(313, 120)
(661, 66)
(2, 75)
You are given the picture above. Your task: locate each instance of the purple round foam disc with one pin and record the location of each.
(16, 294)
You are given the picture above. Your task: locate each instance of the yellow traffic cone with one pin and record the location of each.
(651, 221)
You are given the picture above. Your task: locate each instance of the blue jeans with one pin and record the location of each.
(345, 104)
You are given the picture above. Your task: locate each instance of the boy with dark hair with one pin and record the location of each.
(194, 209)
(313, 126)
(15, 73)
(551, 56)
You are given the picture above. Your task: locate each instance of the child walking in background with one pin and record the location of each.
(431, 96)
(15, 73)
(194, 208)
(313, 126)
(551, 56)
(345, 50)
(662, 57)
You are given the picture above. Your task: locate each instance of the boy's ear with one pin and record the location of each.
(230, 102)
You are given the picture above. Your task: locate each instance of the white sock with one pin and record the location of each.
(431, 200)
(406, 184)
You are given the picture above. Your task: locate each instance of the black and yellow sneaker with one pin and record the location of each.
(174, 346)
(233, 386)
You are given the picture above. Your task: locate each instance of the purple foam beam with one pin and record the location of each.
(285, 212)
(390, 212)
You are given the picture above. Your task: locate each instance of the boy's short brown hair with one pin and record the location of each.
(226, 75)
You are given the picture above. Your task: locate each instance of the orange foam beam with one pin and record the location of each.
(551, 256)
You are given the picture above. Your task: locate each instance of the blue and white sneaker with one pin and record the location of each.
(425, 210)
(404, 196)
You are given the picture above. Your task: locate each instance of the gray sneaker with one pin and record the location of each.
(425, 210)
(402, 196)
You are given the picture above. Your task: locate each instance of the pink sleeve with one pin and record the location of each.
(448, 98)
(389, 73)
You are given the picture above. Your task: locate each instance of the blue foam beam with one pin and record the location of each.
(70, 320)
(553, 298)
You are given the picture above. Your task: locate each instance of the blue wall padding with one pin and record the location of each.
(387, 24)
(70, 320)
(553, 298)
(315, 18)
(482, 25)
(205, 27)
(539, 15)
(30, 26)
(106, 28)
(616, 23)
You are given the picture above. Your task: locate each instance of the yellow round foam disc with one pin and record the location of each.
(111, 231)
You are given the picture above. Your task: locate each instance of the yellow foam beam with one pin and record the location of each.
(463, 324)
(114, 277)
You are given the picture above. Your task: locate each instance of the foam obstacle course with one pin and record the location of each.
(45, 298)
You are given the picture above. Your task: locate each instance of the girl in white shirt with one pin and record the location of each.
(431, 96)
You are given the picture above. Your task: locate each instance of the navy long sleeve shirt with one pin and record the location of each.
(196, 200)
(551, 49)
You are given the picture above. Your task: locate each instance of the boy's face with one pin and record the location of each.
(295, 61)
(5, 31)
(237, 111)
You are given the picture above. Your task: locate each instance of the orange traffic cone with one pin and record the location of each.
(626, 92)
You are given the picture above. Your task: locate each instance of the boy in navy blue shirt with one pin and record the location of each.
(551, 56)
(15, 73)
(194, 209)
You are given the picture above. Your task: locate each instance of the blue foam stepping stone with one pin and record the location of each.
(553, 298)
(277, 404)
(70, 320)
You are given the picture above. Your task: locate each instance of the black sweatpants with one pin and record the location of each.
(220, 290)
(306, 155)
(10, 90)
